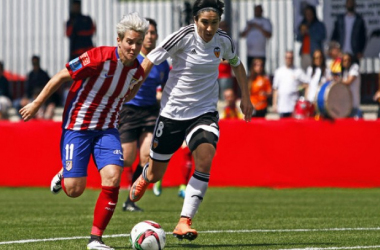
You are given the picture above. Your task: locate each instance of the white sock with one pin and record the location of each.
(195, 191)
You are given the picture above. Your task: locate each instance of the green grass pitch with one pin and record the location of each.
(229, 218)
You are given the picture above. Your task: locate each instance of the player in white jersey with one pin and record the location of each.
(189, 104)
(103, 79)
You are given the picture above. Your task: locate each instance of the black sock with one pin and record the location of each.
(136, 175)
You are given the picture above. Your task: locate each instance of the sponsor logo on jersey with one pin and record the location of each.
(155, 143)
(193, 51)
(85, 59)
(217, 52)
(69, 165)
(75, 64)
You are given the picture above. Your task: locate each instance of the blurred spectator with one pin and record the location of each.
(79, 29)
(311, 34)
(335, 55)
(350, 31)
(225, 77)
(317, 74)
(287, 82)
(376, 97)
(260, 88)
(230, 111)
(351, 77)
(257, 31)
(5, 96)
(36, 81)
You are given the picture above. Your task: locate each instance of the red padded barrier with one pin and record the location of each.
(281, 154)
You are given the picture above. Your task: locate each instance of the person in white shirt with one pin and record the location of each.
(351, 77)
(317, 74)
(257, 31)
(189, 104)
(287, 82)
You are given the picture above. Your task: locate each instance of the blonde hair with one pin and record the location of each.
(132, 21)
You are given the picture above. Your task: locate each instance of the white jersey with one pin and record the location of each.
(192, 88)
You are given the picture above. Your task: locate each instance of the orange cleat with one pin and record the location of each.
(184, 231)
(138, 189)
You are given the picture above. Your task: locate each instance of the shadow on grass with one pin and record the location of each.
(232, 246)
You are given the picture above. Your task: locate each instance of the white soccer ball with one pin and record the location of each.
(147, 235)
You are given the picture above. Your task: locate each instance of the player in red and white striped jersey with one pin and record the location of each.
(104, 78)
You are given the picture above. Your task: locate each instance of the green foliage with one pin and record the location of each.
(229, 218)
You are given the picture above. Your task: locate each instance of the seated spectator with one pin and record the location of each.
(230, 111)
(335, 54)
(37, 79)
(351, 77)
(260, 88)
(317, 74)
(288, 81)
(5, 96)
(311, 34)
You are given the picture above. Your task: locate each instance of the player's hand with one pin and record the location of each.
(29, 111)
(247, 108)
(376, 97)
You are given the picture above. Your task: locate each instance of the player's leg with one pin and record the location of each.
(201, 138)
(76, 149)
(167, 138)
(187, 166)
(107, 154)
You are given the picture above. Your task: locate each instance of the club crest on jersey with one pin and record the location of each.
(155, 143)
(217, 52)
(69, 165)
(85, 59)
(133, 82)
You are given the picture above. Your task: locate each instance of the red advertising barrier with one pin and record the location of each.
(281, 154)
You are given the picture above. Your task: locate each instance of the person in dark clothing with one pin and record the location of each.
(37, 79)
(5, 96)
(350, 31)
(79, 29)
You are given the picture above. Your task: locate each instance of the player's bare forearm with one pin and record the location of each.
(53, 85)
(147, 65)
(245, 104)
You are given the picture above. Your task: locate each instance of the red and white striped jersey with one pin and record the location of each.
(101, 82)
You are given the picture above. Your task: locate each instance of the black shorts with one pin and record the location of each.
(136, 120)
(169, 134)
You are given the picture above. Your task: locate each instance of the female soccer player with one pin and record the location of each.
(189, 104)
(103, 78)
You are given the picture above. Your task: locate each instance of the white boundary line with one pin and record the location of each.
(224, 231)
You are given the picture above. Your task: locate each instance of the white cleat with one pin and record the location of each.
(55, 185)
(98, 245)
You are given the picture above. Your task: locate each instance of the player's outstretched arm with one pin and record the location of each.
(55, 82)
(245, 104)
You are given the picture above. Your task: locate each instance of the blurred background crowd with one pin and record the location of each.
(295, 51)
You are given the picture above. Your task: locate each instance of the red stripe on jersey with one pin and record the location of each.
(99, 95)
(120, 85)
(83, 96)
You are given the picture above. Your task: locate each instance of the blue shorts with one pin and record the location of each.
(78, 146)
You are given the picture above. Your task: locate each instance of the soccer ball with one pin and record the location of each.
(147, 235)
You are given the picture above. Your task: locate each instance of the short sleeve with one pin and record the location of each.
(354, 70)
(85, 65)
(229, 49)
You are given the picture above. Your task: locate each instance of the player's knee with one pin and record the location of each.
(201, 136)
(74, 192)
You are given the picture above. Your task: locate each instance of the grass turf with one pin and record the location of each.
(229, 218)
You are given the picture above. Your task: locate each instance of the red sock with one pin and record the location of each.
(104, 209)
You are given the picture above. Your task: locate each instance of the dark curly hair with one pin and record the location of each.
(200, 4)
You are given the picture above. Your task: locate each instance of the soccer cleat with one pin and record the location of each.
(138, 189)
(157, 188)
(55, 185)
(131, 207)
(181, 191)
(184, 231)
(98, 245)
